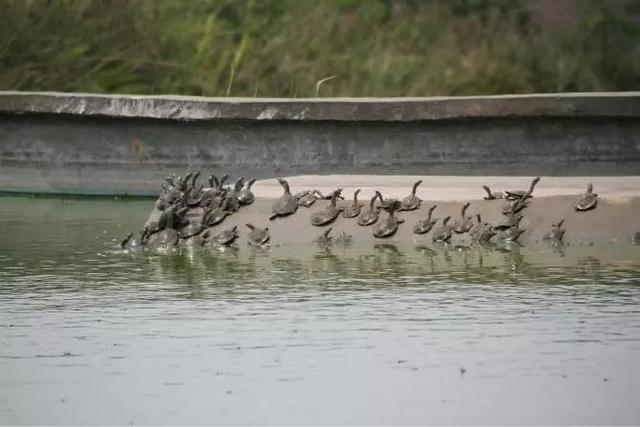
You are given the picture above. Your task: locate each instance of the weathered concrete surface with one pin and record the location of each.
(620, 104)
(98, 144)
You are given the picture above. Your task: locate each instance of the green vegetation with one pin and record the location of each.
(305, 48)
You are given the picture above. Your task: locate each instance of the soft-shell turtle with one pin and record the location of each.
(481, 231)
(370, 215)
(258, 236)
(464, 223)
(226, 237)
(521, 194)
(492, 195)
(353, 210)
(328, 214)
(425, 225)
(389, 225)
(167, 235)
(245, 196)
(510, 234)
(213, 216)
(306, 198)
(286, 204)
(508, 221)
(443, 232)
(412, 201)
(556, 233)
(587, 200)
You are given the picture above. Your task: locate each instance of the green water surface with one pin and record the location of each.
(386, 334)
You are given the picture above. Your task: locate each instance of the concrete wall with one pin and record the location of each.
(97, 144)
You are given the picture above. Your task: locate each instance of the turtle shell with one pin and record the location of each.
(325, 216)
(285, 205)
(307, 200)
(226, 237)
(368, 217)
(164, 238)
(190, 230)
(424, 226)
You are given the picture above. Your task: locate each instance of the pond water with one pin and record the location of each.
(90, 334)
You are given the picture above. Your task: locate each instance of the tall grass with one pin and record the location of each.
(294, 48)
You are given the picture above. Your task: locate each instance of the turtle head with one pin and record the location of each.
(238, 184)
(415, 186)
(590, 188)
(250, 183)
(284, 184)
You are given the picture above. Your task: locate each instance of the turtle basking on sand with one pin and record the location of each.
(464, 223)
(193, 228)
(587, 200)
(556, 234)
(245, 196)
(388, 226)
(287, 204)
(510, 234)
(353, 210)
(509, 220)
(443, 232)
(425, 225)
(258, 236)
(510, 194)
(370, 215)
(521, 194)
(213, 216)
(328, 214)
(492, 195)
(165, 235)
(224, 238)
(411, 202)
(307, 198)
(481, 231)
(233, 203)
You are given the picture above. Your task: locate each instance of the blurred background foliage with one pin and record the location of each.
(306, 48)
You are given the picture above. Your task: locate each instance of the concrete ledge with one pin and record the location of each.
(606, 104)
(125, 145)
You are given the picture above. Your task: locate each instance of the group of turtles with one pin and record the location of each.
(506, 230)
(191, 214)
